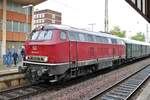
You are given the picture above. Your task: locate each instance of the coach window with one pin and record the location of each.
(63, 35)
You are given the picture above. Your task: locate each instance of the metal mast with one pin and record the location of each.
(106, 16)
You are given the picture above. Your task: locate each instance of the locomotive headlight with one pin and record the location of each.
(45, 59)
(27, 57)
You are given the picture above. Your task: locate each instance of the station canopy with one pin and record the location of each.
(27, 2)
(142, 7)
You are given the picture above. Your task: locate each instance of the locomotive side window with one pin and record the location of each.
(101, 39)
(114, 41)
(90, 38)
(73, 36)
(82, 37)
(63, 35)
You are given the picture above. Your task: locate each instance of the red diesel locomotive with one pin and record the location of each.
(56, 52)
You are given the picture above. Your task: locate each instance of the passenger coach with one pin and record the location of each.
(56, 52)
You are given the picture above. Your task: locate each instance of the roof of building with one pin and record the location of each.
(27, 2)
(46, 10)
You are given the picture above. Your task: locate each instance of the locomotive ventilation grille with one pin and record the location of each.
(37, 58)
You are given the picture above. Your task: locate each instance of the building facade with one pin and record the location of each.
(43, 17)
(15, 22)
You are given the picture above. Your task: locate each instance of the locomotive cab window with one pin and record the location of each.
(41, 35)
(63, 36)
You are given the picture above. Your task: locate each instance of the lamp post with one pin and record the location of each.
(147, 36)
(26, 11)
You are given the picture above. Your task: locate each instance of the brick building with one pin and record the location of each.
(15, 22)
(42, 17)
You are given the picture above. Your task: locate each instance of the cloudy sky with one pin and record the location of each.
(80, 13)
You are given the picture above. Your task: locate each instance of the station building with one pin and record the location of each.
(15, 22)
(46, 16)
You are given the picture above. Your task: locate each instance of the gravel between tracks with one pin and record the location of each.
(89, 87)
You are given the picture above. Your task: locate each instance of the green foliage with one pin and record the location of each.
(139, 36)
(118, 32)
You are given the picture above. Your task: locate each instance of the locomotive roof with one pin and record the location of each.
(69, 28)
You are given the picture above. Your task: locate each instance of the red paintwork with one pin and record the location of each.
(61, 51)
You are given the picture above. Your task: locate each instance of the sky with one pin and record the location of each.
(81, 13)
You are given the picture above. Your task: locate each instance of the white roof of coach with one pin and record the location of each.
(135, 41)
(66, 27)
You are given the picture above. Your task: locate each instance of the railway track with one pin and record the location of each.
(125, 88)
(21, 92)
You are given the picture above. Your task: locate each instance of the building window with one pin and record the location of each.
(133, 1)
(43, 21)
(144, 6)
(9, 26)
(21, 27)
(53, 16)
(11, 6)
(53, 21)
(34, 16)
(15, 26)
(139, 4)
(43, 15)
(37, 16)
(27, 27)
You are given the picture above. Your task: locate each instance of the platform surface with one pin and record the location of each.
(145, 95)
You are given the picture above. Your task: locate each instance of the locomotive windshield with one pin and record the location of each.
(41, 35)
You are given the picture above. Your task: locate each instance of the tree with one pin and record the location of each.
(118, 32)
(139, 36)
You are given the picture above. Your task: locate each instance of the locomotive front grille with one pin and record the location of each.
(37, 58)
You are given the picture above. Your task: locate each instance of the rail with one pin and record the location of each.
(125, 88)
(22, 91)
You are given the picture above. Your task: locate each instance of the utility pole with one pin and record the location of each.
(92, 25)
(147, 36)
(106, 16)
